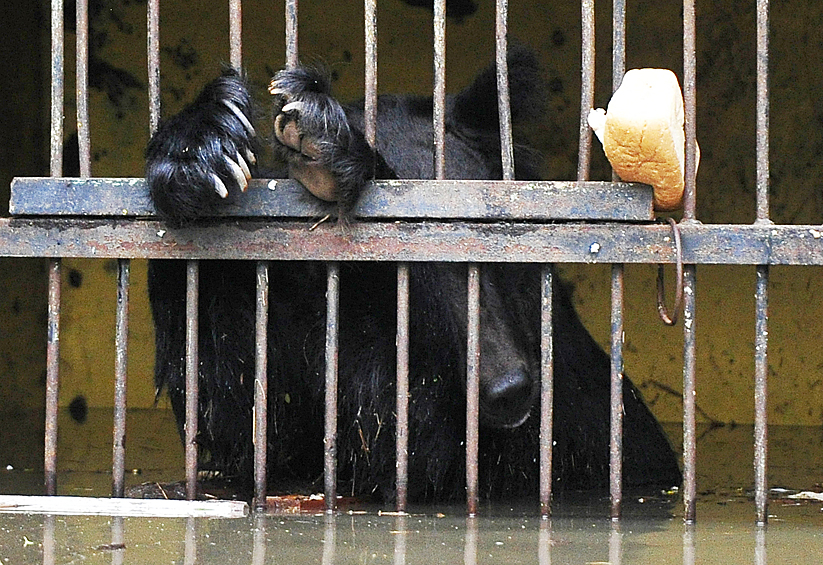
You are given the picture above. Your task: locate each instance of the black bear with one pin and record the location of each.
(200, 159)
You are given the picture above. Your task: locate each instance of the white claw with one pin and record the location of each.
(238, 175)
(244, 166)
(250, 156)
(219, 187)
(292, 106)
(240, 116)
(274, 91)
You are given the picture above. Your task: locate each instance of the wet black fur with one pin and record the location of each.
(510, 332)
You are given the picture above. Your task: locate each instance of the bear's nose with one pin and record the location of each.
(509, 392)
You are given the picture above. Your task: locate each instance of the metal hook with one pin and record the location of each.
(678, 295)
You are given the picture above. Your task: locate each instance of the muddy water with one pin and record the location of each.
(652, 530)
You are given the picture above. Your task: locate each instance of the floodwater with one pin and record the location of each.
(652, 529)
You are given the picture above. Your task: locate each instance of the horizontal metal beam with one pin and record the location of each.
(471, 200)
(413, 241)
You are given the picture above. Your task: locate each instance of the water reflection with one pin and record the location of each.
(412, 539)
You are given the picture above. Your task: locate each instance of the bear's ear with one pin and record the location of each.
(476, 106)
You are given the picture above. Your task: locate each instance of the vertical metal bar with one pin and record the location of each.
(503, 98)
(762, 276)
(329, 541)
(618, 42)
(370, 106)
(615, 544)
(330, 439)
(586, 89)
(121, 338)
(153, 48)
(48, 539)
(761, 371)
(56, 170)
(192, 366)
(760, 553)
(258, 555)
(236, 34)
(82, 42)
(688, 545)
(689, 395)
(470, 545)
(616, 409)
(261, 384)
(690, 108)
(291, 33)
(400, 537)
(439, 111)
(190, 547)
(57, 87)
(763, 110)
(52, 377)
(544, 542)
(472, 388)
(689, 271)
(118, 540)
(546, 389)
(402, 437)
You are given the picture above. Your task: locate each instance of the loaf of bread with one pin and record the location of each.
(642, 133)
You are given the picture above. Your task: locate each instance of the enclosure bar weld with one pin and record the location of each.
(121, 348)
(439, 106)
(192, 366)
(586, 89)
(761, 372)
(546, 387)
(503, 94)
(402, 391)
(261, 383)
(616, 397)
(82, 87)
(472, 388)
(330, 437)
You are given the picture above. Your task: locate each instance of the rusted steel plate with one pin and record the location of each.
(415, 241)
(476, 200)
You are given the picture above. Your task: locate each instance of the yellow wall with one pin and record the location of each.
(726, 180)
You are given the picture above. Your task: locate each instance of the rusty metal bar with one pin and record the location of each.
(616, 397)
(586, 89)
(546, 388)
(402, 429)
(82, 71)
(503, 99)
(52, 377)
(370, 104)
(461, 199)
(690, 109)
(192, 372)
(291, 33)
(261, 383)
(472, 388)
(689, 395)
(762, 271)
(439, 108)
(236, 34)
(616, 409)
(56, 169)
(450, 241)
(762, 136)
(57, 87)
(153, 48)
(121, 337)
(761, 371)
(330, 438)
